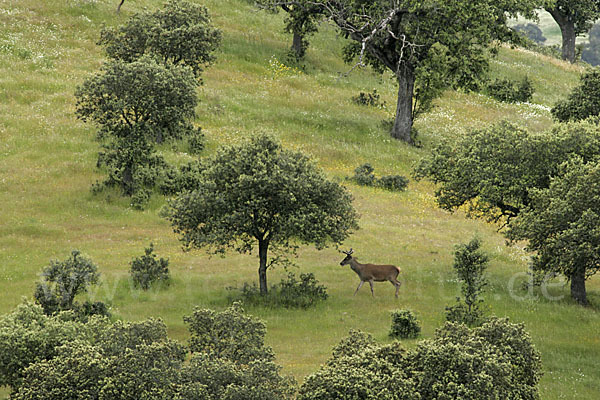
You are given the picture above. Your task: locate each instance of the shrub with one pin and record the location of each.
(494, 361)
(395, 183)
(57, 357)
(404, 324)
(364, 176)
(289, 293)
(583, 101)
(470, 264)
(63, 280)
(369, 99)
(360, 369)
(510, 91)
(178, 179)
(147, 269)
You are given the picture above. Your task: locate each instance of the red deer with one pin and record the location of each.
(371, 272)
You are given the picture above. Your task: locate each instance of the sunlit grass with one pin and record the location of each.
(47, 165)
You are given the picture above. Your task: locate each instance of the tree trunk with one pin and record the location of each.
(567, 29)
(404, 118)
(578, 292)
(263, 246)
(298, 46)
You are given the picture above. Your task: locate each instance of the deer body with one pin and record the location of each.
(372, 272)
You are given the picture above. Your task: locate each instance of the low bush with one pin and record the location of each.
(364, 176)
(395, 183)
(495, 361)
(59, 357)
(509, 91)
(583, 101)
(372, 99)
(289, 293)
(147, 269)
(404, 325)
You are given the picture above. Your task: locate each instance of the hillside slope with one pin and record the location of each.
(47, 165)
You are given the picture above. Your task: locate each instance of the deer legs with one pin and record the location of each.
(397, 284)
(360, 285)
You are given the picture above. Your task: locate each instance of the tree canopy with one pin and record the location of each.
(260, 193)
(57, 357)
(141, 93)
(490, 171)
(496, 360)
(181, 33)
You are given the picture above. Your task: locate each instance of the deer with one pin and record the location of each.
(372, 272)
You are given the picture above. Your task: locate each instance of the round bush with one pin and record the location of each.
(404, 325)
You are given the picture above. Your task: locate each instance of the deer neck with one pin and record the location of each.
(355, 265)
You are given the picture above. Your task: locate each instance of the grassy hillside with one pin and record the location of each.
(47, 164)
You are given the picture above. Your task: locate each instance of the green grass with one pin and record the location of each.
(47, 165)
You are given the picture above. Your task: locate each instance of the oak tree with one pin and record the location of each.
(427, 45)
(562, 225)
(260, 193)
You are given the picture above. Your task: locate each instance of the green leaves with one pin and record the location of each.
(562, 224)
(583, 101)
(180, 34)
(496, 360)
(142, 93)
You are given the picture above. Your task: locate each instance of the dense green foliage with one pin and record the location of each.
(146, 93)
(58, 357)
(180, 34)
(404, 324)
(260, 192)
(63, 280)
(492, 171)
(470, 264)
(230, 358)
(139, 94)
(290, 292)
(583, 101)
(496, 360)
(147, 269)
(561, 225)
(509, 91)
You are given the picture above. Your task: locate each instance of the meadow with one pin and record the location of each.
(48, 158)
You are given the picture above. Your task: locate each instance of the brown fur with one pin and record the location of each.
(373, 273)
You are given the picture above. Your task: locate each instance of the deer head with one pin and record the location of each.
(348, 257)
